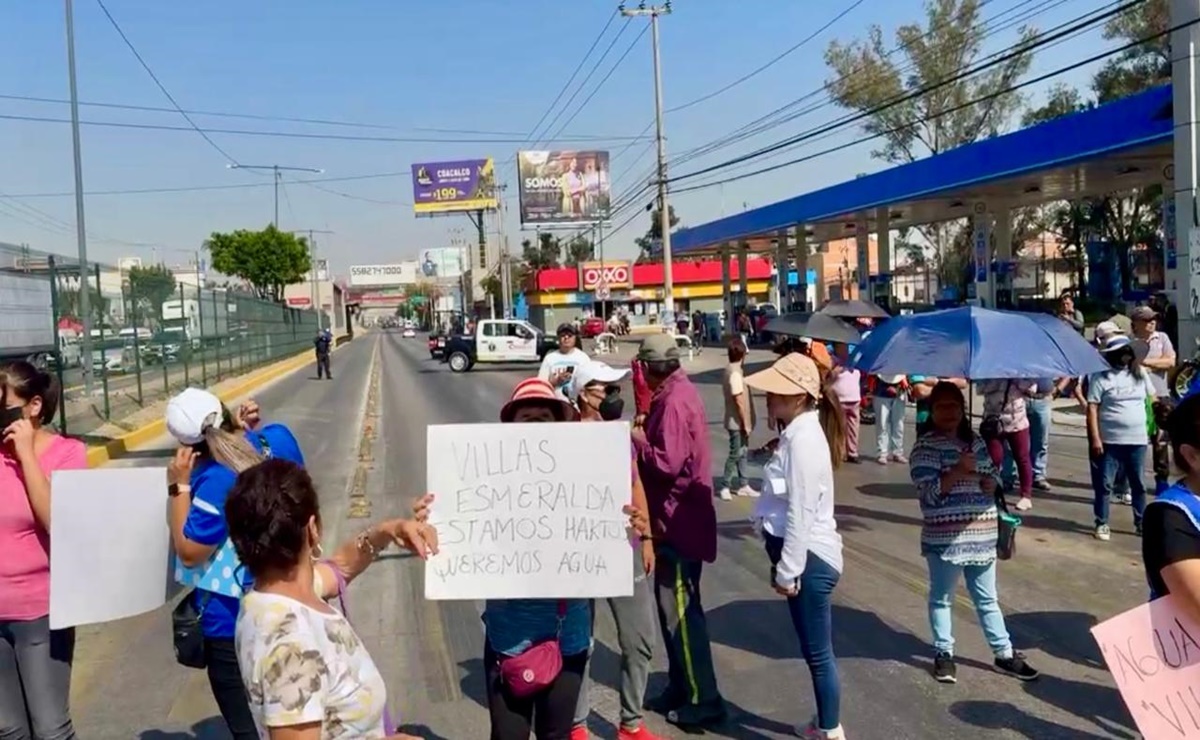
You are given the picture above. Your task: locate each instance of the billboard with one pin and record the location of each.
(465, 185)
(442, 262)
(563, 187)
(400, 273)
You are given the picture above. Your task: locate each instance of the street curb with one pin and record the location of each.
(119, 447)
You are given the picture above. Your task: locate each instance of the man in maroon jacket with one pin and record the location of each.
(675, 463)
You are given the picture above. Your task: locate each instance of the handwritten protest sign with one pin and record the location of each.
(530, 511)
(110, 556)
(1153, 652)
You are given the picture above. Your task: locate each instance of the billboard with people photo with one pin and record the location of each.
(563, 187)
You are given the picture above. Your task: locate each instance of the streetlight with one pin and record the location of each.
(80, 230)
(276, 169)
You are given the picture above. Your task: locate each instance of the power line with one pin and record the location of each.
(280, 119)
(1013, 52)
(117, 27)
(296, 134)
(603, 80)
(607, 50)
(201, 188)
(984, 98)
(562, 91)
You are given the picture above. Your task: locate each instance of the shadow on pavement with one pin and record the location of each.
(473, 683)
(995, 715)
(421, 731)
(213, 728)
(149, 454)
(1064, 635)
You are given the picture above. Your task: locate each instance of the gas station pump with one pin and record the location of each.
(1003, 272)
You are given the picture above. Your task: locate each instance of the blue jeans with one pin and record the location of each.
(981, 584)
(1128, 459)
(889, 425)
(812, 616)
(1039, 412)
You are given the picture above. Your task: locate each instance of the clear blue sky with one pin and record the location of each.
(468, 64)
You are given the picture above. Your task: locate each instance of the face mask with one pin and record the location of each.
(612, 406)
(8, 416)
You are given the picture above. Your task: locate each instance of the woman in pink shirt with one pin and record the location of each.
(35, 661)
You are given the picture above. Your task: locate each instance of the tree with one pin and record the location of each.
(647, 244)
(1061, 100)
(870, 78)
(543, 255)
(1143, 66)
(68, 298)
(150, 287)
(580, 249)
(268, 260)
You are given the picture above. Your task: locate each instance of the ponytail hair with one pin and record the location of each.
(833, 422)
(225, 444)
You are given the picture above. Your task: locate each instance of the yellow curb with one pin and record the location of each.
(119, 447)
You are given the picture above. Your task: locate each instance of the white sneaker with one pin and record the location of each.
(748, 492)
(1127, 499)
(725, 495)
(809, 731)
(1025, 504)
(1103, 533)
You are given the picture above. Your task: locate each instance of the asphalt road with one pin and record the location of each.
(1062, 582)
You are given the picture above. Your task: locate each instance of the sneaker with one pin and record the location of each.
(698, 715)
(638, 733)
(1103, 533)
(748, 492)
(1017, 668)
(810, 731)
(665, 702)
(725, 494)
(1025, 504)
(1042, 484)
(1127, 499)
(853, 459)
(1137, 529)
(579, 732)
(944, 670)
(882, 460)
(900, 458)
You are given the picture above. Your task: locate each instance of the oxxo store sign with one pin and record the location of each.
(610, 276)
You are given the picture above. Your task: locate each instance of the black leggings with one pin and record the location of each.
(550, 714)
(225, 678)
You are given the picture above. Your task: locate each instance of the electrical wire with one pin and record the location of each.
(1012, 53)
(201, 188)
(607, 50)
(595, 90)
(163, 88)
(563, 90)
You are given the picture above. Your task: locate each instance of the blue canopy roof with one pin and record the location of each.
(1133, 123)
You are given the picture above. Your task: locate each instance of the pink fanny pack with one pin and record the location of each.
(534, 670)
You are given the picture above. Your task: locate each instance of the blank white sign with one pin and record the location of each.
(530, 511)
(109, 545)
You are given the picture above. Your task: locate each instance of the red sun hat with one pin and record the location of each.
(535, 390)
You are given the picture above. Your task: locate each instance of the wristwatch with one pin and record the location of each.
(173, 490)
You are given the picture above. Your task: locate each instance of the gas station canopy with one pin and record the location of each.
(1119, 146)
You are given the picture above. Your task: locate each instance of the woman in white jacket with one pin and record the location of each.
(796, 511)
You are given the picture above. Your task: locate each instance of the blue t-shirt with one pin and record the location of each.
(205, 525)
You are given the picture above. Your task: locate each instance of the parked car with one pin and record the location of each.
(497, 340)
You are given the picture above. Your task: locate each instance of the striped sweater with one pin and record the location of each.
(960, 526)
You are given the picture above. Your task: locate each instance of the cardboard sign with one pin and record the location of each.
(530, 511)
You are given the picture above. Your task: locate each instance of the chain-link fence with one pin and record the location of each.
(153, 333)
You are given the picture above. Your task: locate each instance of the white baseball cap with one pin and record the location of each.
(190, 413)
(1106, 330)
(594, 371)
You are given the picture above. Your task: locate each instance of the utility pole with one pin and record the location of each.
(312, 273)
(276, 171)
(80, 229)
(664, 212)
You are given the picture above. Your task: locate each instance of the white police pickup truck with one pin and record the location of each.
(497, 340)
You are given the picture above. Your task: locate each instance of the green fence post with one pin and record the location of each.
(162, 351)
(185, 342)
(203, 348)
(103, 351)
(58, 353)
(137, 345)
(217, 333)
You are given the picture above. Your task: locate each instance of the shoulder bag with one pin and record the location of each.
(534, 670)
(1007, 524)
(989, 428)
(389, 727)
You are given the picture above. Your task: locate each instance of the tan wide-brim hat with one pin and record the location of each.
(791, 375)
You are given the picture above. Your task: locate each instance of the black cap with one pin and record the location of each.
(566, 329)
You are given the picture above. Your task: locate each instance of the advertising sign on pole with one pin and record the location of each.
(442, 262)
(444, 187)
(563, 187)
(400, 273)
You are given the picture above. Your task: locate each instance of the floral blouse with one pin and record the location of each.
(301, 665)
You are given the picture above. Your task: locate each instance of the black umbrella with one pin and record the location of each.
(854, 310)
(817, 326)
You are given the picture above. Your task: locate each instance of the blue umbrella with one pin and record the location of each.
(978, 344)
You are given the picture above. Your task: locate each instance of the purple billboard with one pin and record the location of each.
(466, 185)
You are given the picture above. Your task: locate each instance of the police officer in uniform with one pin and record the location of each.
(322, 344)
